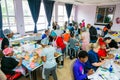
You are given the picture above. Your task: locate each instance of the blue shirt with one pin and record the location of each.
(44, 36)
(78, 70)
(93, 57)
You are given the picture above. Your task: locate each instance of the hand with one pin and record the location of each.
(91, 71)
(110, 56)
(112, 48)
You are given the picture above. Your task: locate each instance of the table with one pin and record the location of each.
(30, 50)
(103, 72)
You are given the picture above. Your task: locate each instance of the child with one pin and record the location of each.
(9, 65)
(93, 59)
(79, 67)
(102, 53)
(74, 45)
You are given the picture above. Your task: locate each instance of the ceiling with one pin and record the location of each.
(90, 2)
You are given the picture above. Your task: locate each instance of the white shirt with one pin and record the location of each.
(49, 52)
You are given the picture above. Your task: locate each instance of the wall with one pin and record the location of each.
(88, 13)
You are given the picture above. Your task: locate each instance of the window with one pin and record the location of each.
(62, 15)
(104, 14)
(28, 20)
(8, 14)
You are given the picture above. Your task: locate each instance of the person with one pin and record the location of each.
(66, 36)
(2, 76)
(83, 24)
(93, 59)
(70, 28)
(48, 57)
(110, 43)
(107, 28)
(79, 71)
(76, 30)
(56, 26)
(65, 25)
(9, 65)
(6, 41)
(102, 52)
(46, 34)
(58, 43)
(93, 33)
(74, 45)
(85, 37)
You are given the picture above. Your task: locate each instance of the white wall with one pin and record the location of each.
(88, 13)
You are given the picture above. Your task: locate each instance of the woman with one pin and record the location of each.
(47, 55)
(9, 65)
(93, 59)
(85, 37)
(6, 41)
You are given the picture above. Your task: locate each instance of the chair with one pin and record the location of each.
(14, 76)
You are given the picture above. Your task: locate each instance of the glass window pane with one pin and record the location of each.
(60, 18)
(29, 28)
(42, 10)
(3, 7)
(5, 21)
(41, 26)
(100, 15)
(10, 6)
(41, 19)
(12, 20)
(14, 29)
(61, 23)
(60, 10)
(28, 21)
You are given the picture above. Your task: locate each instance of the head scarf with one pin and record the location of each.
(6, 51)
(7, 31)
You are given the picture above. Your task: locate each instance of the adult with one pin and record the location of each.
(47, 55)
(93, 33)
(107, 28)
(6, 41)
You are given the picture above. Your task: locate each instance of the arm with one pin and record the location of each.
(20, 62)
(97, 64)
(43, 58)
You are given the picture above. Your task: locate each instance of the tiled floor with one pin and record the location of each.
(64, 73)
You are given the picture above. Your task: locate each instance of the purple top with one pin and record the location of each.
(78, 70)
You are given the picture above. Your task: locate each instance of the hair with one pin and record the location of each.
(82, 54)
(72, 34)
(70, 24)
(107, 38)
(94, 45)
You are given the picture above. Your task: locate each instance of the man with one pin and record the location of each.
(93, 33)
(107, 28)
(46, 34)
(79, 67)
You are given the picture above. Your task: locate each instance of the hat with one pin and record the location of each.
(45, 41)
(53, 34)
(7, 31)
(6, 51)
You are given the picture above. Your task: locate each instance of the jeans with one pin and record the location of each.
(49, 71)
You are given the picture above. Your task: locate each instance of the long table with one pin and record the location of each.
(103, 72)
(29, 49)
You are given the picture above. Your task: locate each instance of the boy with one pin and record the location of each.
(79, 65)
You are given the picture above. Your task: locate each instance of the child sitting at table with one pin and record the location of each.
(79, 67)
(102, 53)
(9, 65)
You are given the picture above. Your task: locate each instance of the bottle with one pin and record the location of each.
(111, 69)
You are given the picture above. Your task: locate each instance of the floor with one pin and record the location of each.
(64, 73)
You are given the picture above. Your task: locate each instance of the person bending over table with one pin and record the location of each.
(6, 41)
(9, 65)
(47, 55)
(93, 59)
(79, 71)
(102, 53)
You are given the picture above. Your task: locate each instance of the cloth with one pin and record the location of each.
(78, 70)
(8, 64)
(72, 42)
(102, 53)
(93, 57)
(53, 34)
(44, 36)
(50, 71)
(8, 50)
(60, 43)
(7, 31)
(50, 59)
(66, 37)
(85, 40)
(93, 34)
(5, 42)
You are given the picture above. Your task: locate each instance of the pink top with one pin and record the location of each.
(83, 24)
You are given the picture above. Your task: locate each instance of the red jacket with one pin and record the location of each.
(60, 43)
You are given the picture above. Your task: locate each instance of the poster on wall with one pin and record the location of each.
(118, 20)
